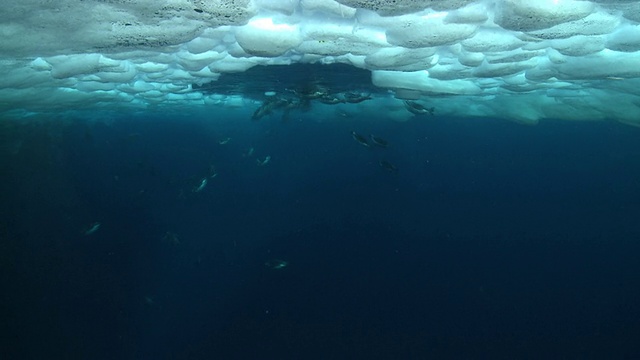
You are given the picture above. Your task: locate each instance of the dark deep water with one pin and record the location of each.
(493, 240)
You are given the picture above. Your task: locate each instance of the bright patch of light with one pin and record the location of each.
(381, 36)
(436, 15)
(267, 24)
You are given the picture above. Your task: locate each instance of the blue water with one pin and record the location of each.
(492, 240)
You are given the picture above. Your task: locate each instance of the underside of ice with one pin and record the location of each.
(516, 59)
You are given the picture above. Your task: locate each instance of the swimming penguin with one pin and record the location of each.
(376, 140)
(359, 138)
(264, 161)
(276, 264)
(330, 99)
(388, 166)
(418, 109)
(355, 98)
(92, 228)
(201, 186)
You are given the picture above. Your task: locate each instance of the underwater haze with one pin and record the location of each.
(486, 239)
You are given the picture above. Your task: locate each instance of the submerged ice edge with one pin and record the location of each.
(561, 59)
